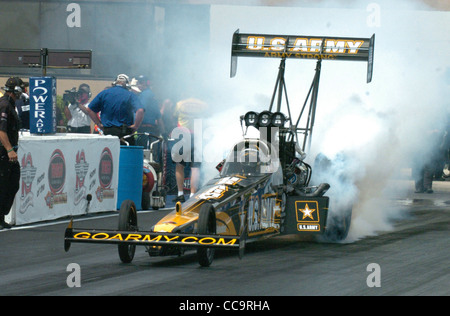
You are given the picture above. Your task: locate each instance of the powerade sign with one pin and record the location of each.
(42, 105)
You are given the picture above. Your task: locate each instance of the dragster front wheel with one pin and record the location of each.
(206, 226)
(127, 222)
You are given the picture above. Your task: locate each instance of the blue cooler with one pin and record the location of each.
(131, 169)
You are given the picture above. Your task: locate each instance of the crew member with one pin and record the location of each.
(121, 112)
(76, 113)
(23, 106)
(9, 140)
(188, 111)
(152, 121)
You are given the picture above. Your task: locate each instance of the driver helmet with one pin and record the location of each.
(250, 160)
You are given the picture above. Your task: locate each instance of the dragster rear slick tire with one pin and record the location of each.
(338, 227)
(206, 226)
(127, 222)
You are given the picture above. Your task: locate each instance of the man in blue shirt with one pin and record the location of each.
(152, 122)
(121, 112)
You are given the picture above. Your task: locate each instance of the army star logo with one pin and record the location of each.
(307, 212)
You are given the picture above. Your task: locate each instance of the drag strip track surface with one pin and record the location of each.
(413, 259)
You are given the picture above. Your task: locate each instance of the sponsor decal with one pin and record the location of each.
(81, 170)
(56, 179)
(105, 176)
(307, 213)
(40, 184)
(218, 190)
(156, 238)
(275, 46)
(302, 227)
(42, 105)
(27, 175)
(261, 208)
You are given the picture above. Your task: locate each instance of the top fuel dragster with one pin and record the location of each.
(263, 187)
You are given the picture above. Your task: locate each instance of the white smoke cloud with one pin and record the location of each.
(379, 126)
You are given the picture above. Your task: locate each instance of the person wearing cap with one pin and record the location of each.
(9, 140)
(152, 121)
(79, 120)
(121, 112)
(23, 105)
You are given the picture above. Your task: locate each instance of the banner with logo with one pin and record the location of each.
(42, 105)
(66, 174)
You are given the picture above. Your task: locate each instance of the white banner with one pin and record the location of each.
(58, 173)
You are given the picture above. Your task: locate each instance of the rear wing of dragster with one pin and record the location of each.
(300, 47)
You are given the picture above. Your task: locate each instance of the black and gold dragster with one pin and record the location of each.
(263, 188)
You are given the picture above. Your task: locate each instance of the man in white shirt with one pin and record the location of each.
(76, 113)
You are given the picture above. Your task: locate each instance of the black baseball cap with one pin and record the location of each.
(12, 83)
(22, 84)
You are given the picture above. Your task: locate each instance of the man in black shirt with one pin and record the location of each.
(23, 106)
(9, 139)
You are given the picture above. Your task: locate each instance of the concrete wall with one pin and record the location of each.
(132, 37)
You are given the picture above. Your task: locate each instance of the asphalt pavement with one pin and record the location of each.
(412, 258)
